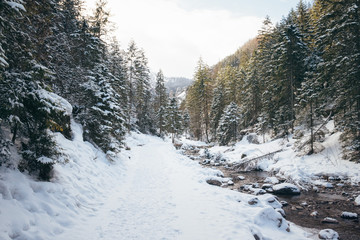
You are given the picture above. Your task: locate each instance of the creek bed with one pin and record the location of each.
(327, 202)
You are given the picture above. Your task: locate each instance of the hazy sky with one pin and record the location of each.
(176, 33)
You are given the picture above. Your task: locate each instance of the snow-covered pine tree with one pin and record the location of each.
(173, 119)
(103, 120)
(186, 121)
(338, 34)
(229, 123)
(291, 52)
(143, 95)
(160, 101)
(24, 106)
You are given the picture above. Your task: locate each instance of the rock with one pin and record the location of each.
(255, 185)
(328, 234)
(314, 214)
(357, 201)
(272, 180)
(245, 187)
(304, 204)
(253, 201)
(241, 177)
(328, 185)
(286, 189)
(349, 215)
(284, 203)
(214, 182)
(230, 183)
(299, 208)
(266, 186)
(258, 191)
(330, 220)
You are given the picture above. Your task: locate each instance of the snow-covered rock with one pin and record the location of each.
(241, 177)
(272, 180)
(269, 216)
(314, 214)
(349, 215)
(328, 234)
(330, 220)
(357, 201)
(286, 189)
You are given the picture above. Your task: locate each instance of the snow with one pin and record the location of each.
(45, 160)
(3, 62)
(151, 192)
(357, 200)
(16, 5)
(54, 101)
(349, 215)
(302, 170)
(328, 234)
(284, 186)
(272, 180)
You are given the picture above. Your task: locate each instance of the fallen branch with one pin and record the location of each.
(268, 155)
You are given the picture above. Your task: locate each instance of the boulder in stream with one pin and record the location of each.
(349, 215)
(214, 182)
(330, 220)
(357, 201)
(286, 189)
(328, 234)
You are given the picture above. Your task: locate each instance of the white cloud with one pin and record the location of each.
(174, 38)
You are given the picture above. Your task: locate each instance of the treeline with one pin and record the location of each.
(293, 75)
(49, 49)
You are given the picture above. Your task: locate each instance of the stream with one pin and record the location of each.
(307, 209)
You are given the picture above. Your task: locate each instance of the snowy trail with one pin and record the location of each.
(163, 195)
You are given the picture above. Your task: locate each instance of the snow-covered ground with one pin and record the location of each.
(302, 170)
(151, 192)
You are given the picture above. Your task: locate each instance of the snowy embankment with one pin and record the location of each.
(151, 192)
(287, 163)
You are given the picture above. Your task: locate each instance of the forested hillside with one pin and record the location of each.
(55, 65)
(295, 76)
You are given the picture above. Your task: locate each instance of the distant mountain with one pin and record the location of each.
(174, 83)
(176, 86)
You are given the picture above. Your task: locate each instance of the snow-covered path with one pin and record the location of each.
(163, 195)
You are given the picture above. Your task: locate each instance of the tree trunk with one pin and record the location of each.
(311, 129)
(15, 132)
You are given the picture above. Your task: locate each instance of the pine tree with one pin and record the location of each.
(203, 89)
(229, 123)
(100, 19)
(186, 122)
(338, 33)
(217, 108)
(160, 101)
(173, 120)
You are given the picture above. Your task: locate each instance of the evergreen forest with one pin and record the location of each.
(58, 66)
(292, 78)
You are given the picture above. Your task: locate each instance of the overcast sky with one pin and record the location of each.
(176, 33)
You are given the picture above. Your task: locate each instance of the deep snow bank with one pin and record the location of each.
(300, 169)
(44, 210)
